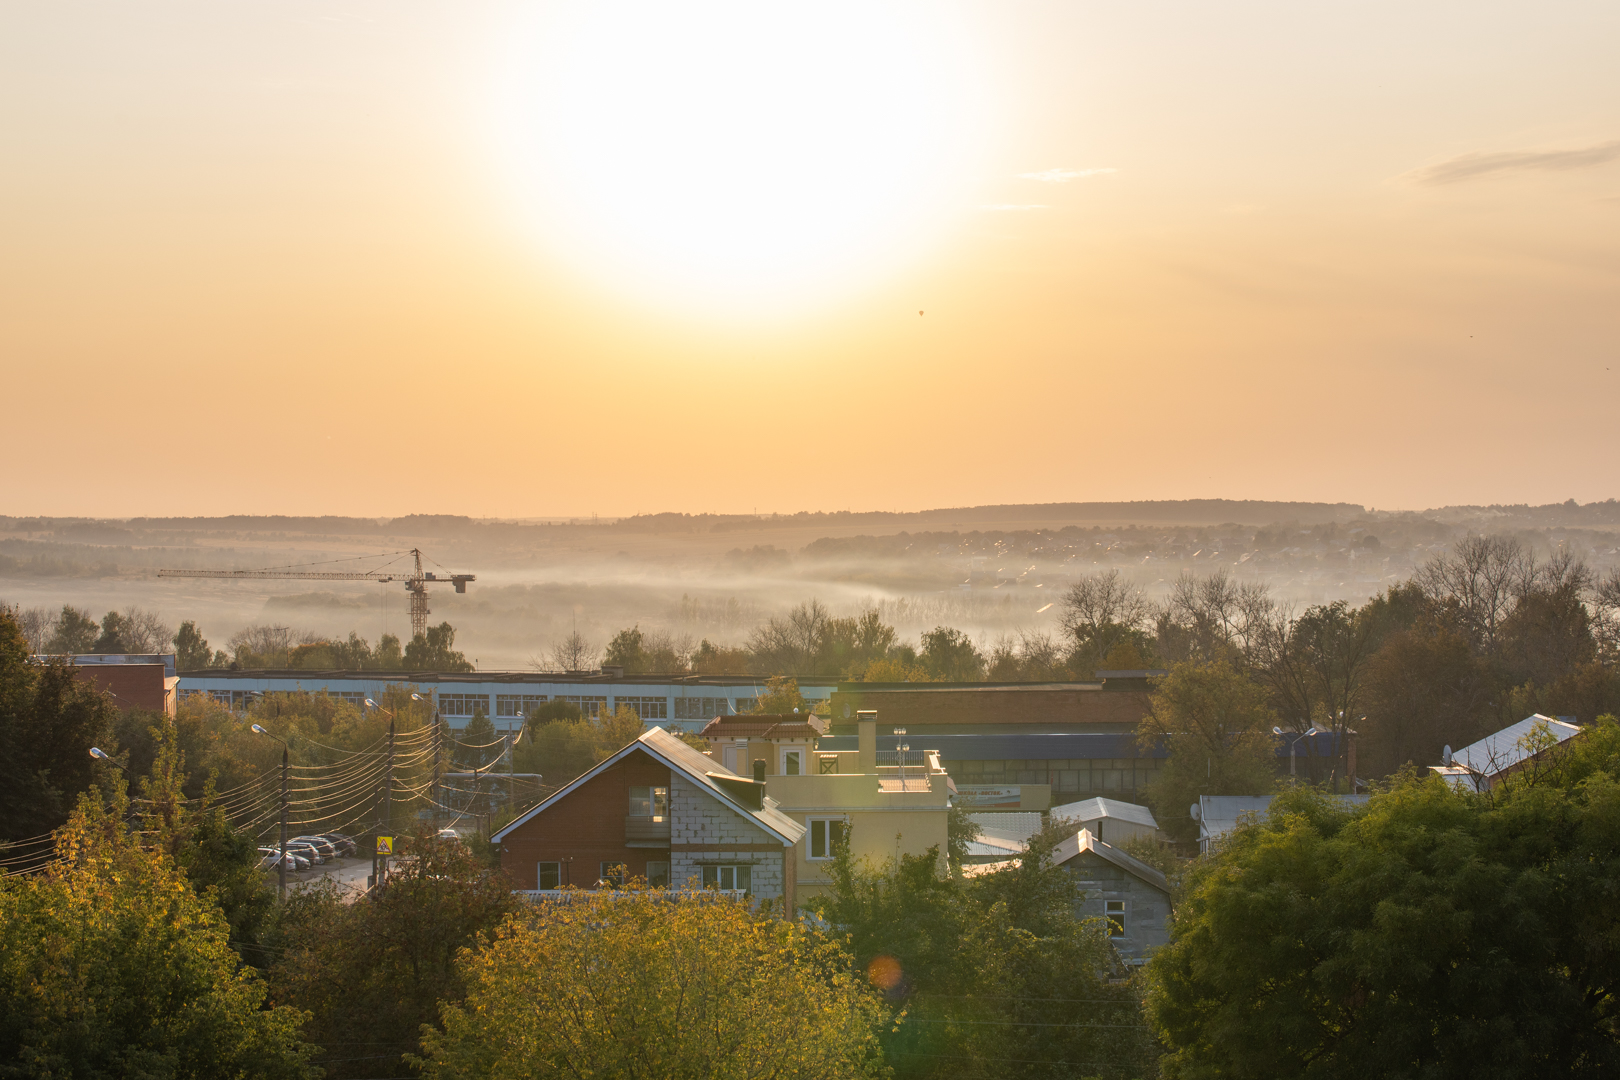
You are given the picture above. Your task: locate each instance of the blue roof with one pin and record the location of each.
(1083, 745)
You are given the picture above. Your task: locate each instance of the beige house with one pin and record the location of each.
(880, 808)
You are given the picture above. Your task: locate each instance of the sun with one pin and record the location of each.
(741, 156)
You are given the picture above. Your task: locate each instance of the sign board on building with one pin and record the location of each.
(983, 796)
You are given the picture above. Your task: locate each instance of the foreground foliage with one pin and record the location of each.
(634, 985)
(996, 976)
(1432, 934)
(111, 965)
(373, 971)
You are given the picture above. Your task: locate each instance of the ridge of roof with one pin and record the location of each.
(1082, 841)
(693, 765)
(1099, 807)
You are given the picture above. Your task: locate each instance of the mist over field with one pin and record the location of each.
(989, 571)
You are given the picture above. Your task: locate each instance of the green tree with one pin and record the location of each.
(191, 652)
(373, 974)
(112, 966)
(948, 655)
(48, 722)
(1216, 725)
(76, 632)
(781, 696)
(557, 709)
(996, 975)
(632, 985)
(562, 749)
(476, 745)
(1431, 934)
(434, 651)
(626, 651)
(115, 634)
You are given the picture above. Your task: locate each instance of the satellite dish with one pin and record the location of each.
(1445, 755)
(1195, 812)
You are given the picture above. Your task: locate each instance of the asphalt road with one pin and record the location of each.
(349, 874)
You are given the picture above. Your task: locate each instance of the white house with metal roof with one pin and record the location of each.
(1481, 766)
(1110, 820)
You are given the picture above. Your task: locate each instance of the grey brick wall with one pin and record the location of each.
(1147, 910)
(697, 817)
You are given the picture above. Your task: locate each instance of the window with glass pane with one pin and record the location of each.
(790, 762)
(1116, 918)
(657, 874)
(613, 873)
(550, 875)
(649, 802)
(728, 877)
(826, 835)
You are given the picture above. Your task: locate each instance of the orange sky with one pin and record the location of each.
(278, 259)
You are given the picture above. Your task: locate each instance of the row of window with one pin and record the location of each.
(728, 876)
(516, 705)
(1041, 764)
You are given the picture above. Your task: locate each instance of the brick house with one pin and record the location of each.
(662, 811)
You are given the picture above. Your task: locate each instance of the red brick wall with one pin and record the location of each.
(133, 686)
(990, 707)
(586, 828)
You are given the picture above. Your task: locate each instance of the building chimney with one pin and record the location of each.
(759, 770)
(866, 731)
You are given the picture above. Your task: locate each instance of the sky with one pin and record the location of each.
(524, 260)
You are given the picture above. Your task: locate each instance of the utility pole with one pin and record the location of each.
(388, 793)
(281, 863)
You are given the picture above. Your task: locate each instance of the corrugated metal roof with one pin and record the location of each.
(1218, 815)
(1511, 746)
(766, 726)
(1015, 828)
(1087, 810)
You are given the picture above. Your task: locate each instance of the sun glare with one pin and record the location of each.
(741, 156)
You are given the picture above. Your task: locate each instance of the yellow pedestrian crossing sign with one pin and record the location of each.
(385, 845)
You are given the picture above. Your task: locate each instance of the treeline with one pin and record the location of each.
(71, 630)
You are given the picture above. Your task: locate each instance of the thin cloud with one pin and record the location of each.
(1015, 206)
(1063, 176)
(1474, 166)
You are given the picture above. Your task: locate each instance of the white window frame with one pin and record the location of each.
(829, 844)
(795, 751)
(716, 877)
(1115, 911)
(614, 872)
(656, 802)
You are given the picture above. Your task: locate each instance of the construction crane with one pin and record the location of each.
(416, 582)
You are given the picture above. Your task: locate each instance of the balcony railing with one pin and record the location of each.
(645, 829)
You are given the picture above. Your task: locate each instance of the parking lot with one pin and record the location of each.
(348, 873)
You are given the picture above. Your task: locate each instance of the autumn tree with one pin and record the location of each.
(950, 656)
(112, 965)
(634, 984)
(435, 650)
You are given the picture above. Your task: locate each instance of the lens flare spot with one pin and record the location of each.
(884, 971)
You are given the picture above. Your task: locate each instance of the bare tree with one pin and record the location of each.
(1216, 614)
(1483, 576)
(146, 632)
(37, 624)
(791, 645)
(1605, 603)
(1102, 610)
(573, 653)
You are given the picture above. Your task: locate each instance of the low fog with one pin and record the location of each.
(991, 572)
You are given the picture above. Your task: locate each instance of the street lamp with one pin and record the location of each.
(101, 755)
(438, 754)
(900, 754)
(1293, 742)
(281, 863)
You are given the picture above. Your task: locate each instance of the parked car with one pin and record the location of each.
(345, 844)
(308, 851)
(449, 834)
(270, 858)
(319, 843)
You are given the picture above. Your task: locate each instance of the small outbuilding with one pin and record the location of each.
(1131, 895)
(1110, 820)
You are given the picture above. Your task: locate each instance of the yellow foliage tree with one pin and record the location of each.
(640, 984)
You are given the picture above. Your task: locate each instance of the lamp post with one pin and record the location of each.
(281, 863)
(900, 749)
(1293, 742)
(101, 755)
(438, 752)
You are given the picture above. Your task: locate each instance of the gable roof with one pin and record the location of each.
(1082, 842)
(693, 765)
(1501, 751)
(1094, 809)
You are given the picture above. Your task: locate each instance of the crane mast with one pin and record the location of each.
(416, 582)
